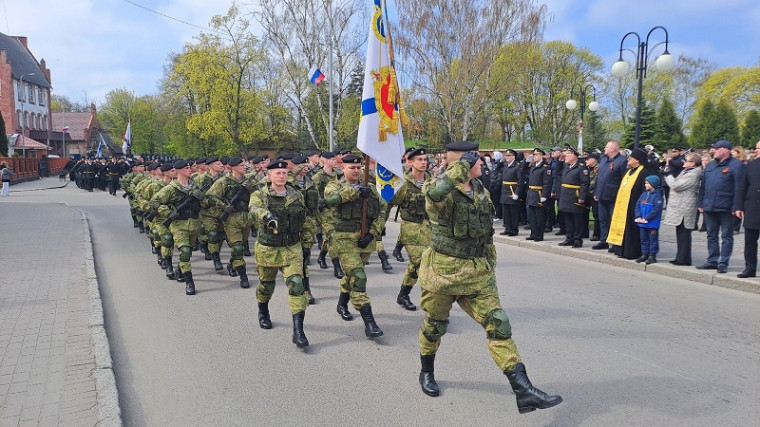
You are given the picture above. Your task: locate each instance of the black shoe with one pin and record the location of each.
(529, 398)
(513, 233)
(397, 252)
(306, 256)
(652, 259)
(371, 330)
(180, 277)
(427, 376)
(601, 245)
(299, 338)
(170, 274)
(264, 321)
(403, 298)
(565, 242)
(189, 283)
(722, 268)
(153, 249)
(642, 258)
(142, 227)
(246, 248)
(594, 238)
(578, 244)
(322, 259)
(231, 271)
(746, 273)
(538, 239)
(530, 238)
(243, 277)
(196, 246)
(674, 262)
(206, 254)
(707, 267)
(384, 261)
(343, 306)
(217, 261)
(560, 233)
(504, 233)
(307, 288)
(337, 270)
(548, 230)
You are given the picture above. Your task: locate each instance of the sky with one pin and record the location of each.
(95, 46)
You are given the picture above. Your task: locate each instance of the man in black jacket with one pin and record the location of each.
(749, 209)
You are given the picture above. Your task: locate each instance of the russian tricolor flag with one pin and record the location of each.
(316, 76)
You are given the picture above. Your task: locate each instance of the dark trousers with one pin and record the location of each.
(551, 215)
(537, 221)
(574, 226)
(719, 223)
(593, 206)
(511, 215)
(683, 244)
(750, 249)
(605, 216)
(650, 240)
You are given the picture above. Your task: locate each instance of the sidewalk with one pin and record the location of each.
(662, 267)
(55, 364)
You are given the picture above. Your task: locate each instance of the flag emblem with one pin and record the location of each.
(315, 76)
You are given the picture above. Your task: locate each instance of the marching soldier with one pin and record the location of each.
(231, 194)
(303, 182)
(329, 173)
(459, 267)
(279, 212)
(180, 202)
(572, 188)
(407, 168)
(539, 190)
(345, 197)
(211, 226)
(415, 226)
(511, 182)
(167, 242)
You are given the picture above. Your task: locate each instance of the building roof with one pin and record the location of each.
(27, 143)
(22, 61)
(77, 123)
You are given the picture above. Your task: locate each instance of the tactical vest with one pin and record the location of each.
(348, 216)
(464, 227)
(311, 198)
(191, 210)
(413, 208)
(243, 196)
(290, 222)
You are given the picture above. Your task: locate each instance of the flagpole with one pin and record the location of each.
(330, 82)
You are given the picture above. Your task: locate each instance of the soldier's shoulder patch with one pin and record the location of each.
(585, 171)
(548, 171)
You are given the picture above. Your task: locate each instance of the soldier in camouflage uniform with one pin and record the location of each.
(127, 183)
(278, 210)
(303, 182)
(399, 244)
(231, 194)
(379, 247)
(329, 173)
(346, 197)
(185, 225)
(165, 236)
(459, 267)
(211, 226)
(415, 226)
(143, 192)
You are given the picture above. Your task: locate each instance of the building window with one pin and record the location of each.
(41, 97)
(18, 119)
(31, 93)
(26, 119)
(20, 91)
(44, 122)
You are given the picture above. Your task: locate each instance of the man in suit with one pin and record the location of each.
(749, 210)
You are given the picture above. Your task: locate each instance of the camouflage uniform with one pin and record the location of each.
(211, 226)
(459, 264)
(310, 227)
(327, 218)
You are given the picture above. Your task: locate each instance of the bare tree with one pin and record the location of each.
(449, 49)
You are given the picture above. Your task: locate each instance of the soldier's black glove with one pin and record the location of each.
(366, 240)
(322, 205)
(470, 157)
(364, 192)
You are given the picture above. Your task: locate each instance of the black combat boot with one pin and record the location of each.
(264, 321)
(246, 248)
(337, 270)
(136, 223)
(397, 252)
(299, 338)
(141, 226)
(343, 306)
(371, 330)
(320, 240)
(254, 232)
(427, 377)
(384, 261)
(180, 278)
(153, 248)
(189, 283)
(159, 259)
(529, 398)
(217, 261)
(306, 256)
(243, 277)
(196, 246)
(206, 254)
(307, 287)
(170, 274)
(403, 298)
(322, 259)
(231, 271)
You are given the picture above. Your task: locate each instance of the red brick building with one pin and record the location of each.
(24, 97)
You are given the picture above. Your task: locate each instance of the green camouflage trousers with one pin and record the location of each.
(237, 228)
(484, 307)
(288, 260)
(212, 231)
(184, 232)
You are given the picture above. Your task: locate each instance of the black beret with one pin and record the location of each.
(211, 159)
(179, 164)
(417, 152)
(640, 155)
(200, 160)
(153, 166)
(352, 158)
(409, 150)
(678, 147)
(251, 157)
(258, 159)
(539, 151)
(225, 160)
(570, 148)
(234, 161)
(299, 159)
(287, 156)
(511, 151)
(345, 152)
(311, 153)
(265, 156)
(592, 156)
(462, 146)
(328, 154)
(166, 167)
(278, 164)
(138, 164)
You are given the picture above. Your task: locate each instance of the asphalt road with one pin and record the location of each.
(621, 347)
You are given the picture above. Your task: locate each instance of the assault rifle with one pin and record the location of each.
(236, 198)
(187, 200)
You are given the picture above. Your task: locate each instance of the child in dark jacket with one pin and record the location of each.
(648, 212)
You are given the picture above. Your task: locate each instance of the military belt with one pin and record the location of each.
(577, 187)
(536, 187)
(509, 182)
(456, 248)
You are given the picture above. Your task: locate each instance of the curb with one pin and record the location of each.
(700, 276)
(108, 410)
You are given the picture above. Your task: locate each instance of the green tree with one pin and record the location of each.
(700, 134)
(595, 134)
(647, 131)
(669, 130)
(724, 124)
(3, 137)
(750, 129)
